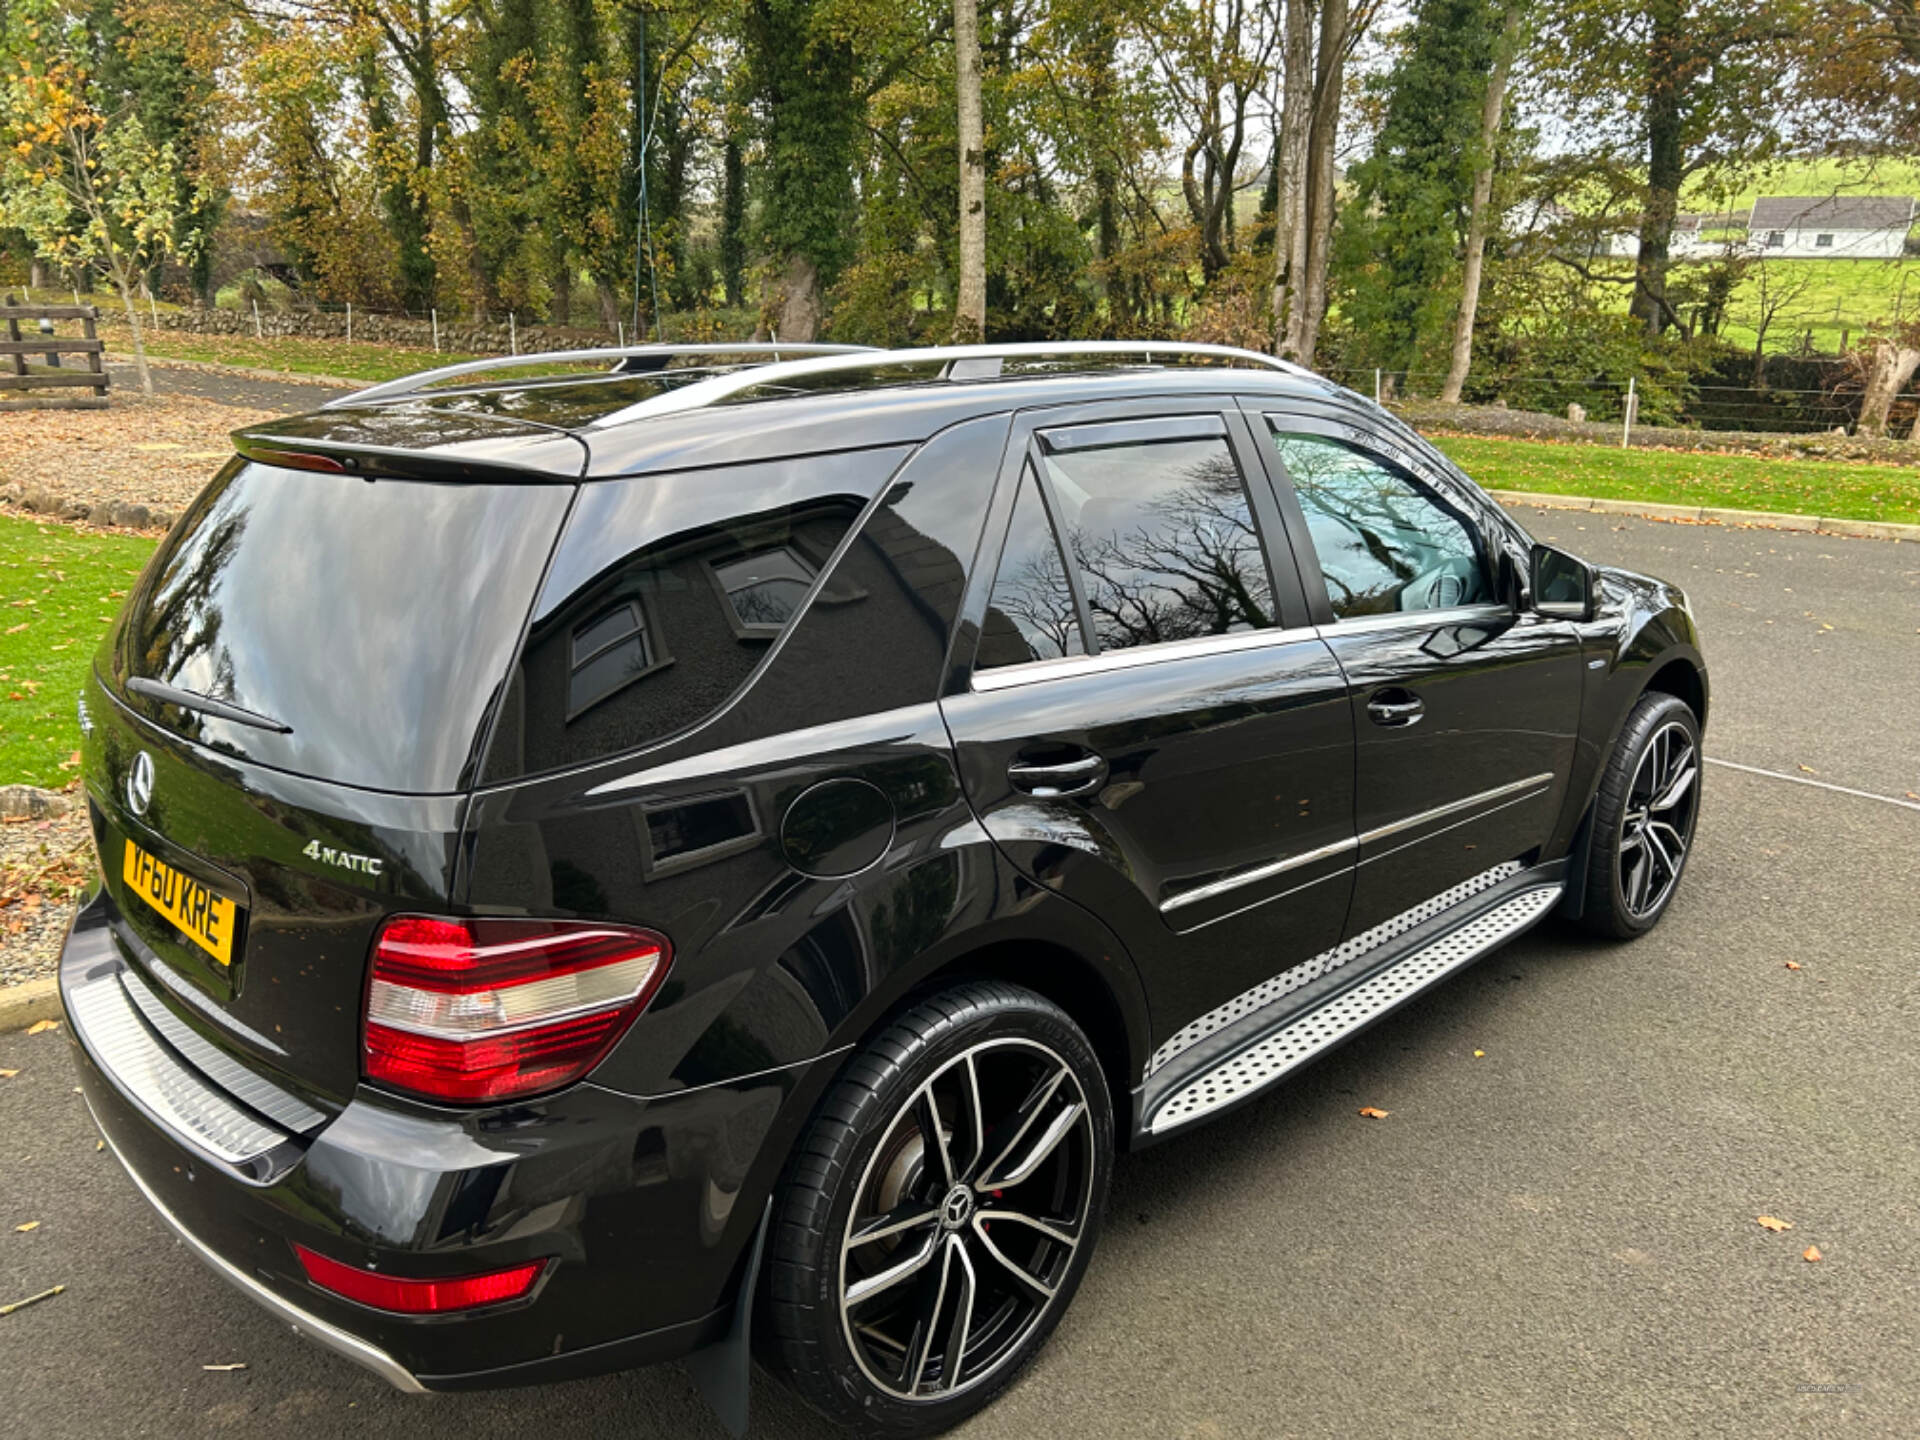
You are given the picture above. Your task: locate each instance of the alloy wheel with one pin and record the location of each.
(966, 1219)
(1656, 825)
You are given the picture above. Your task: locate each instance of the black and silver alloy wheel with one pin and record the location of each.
(1644, 814)
(938, 1215)
(966, 1219)
(1657, 825)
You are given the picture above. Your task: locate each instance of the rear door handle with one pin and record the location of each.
(1055, 780)
(1394, 707)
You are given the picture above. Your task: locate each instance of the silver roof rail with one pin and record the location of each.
(959, 362)
(408, 384)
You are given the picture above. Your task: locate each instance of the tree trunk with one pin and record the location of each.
(121, 283)
(800, 301)
(1330, 67)
(970, 303)
(1893, 365)
(1477, 219)
(1666, 168)
(733, 221)
(1290, 214)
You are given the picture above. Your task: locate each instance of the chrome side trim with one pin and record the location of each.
(352, 1347)
(1255, 875)
(175, 1097)
(1454, 807)
(1347, 951)
(1036, 671)
(1416, 619)
(1320, 1029)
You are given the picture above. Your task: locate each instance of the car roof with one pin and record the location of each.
(665, 408)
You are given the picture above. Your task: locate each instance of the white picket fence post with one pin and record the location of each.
(513, 334)
(436, 331)
(258, 334)
(349, 322)
(1633, 402)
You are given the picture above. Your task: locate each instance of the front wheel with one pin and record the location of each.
(936, 1219)
(1643, 819)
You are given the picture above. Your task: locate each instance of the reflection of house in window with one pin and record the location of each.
(764, 589)
(609, 652)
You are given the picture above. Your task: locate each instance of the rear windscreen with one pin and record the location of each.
(373, 619)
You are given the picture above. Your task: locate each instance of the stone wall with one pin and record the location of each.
(482, 339)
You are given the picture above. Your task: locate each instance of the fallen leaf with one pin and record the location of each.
(23, 1229)
(1793, 964)
(1809, 769)
(1479, 1054)
(1811, 1254)
(40, 1027)
(237, 1365)
(1767, 1222)
(8, 1074)
(1373, 1114)
(98, 1146)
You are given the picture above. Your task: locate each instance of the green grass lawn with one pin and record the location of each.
(59, 587)
(291, 355)
(1844, 489)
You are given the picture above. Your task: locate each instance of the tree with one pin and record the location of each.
(1492, 106)
(86, 188)
(1688, 88)
(1412, 198)
(1313, 87)
(1887, 364)
(970, 304)
(804, 68)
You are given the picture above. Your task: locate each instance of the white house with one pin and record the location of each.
(1823, 227)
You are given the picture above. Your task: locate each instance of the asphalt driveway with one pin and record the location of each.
(1557, 1237)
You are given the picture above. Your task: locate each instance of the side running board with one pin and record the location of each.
(1277, 1054)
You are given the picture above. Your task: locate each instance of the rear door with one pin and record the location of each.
(1465, 709)
(1148, 725)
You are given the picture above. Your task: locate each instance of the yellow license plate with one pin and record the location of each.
(203, 917)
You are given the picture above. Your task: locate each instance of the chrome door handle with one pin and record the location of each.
(1395, 708)
(1057, 780)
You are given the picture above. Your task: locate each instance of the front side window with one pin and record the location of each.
(1823, 242)
(1386, 543)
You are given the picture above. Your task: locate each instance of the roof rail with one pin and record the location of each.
(959, 362)
(409, 384)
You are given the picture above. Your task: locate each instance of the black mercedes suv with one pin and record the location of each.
(714, 857)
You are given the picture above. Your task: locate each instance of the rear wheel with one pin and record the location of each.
(940, 1212)
(1643, 819)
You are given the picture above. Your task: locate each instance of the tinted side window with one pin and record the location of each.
(1031, 614)
(1386, 543)
(1163, 537)
(666, 594)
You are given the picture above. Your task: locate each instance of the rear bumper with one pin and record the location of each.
(643, 1207)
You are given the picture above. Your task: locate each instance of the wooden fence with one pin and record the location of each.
(47, 373)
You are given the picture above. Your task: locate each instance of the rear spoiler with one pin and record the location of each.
(464, 447)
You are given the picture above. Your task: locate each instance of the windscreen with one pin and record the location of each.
(363, 627)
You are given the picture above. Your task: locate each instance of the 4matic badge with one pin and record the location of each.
(346, 860)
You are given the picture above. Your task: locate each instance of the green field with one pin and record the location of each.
(59, 587)
(1843, 489)
(1884, 175)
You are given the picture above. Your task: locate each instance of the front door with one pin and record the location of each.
(1466, 709)
(1148, 724)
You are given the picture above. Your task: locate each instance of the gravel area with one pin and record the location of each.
(156, 453)
(42, 864)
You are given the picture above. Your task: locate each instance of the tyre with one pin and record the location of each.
(1643, 819)
(936, 1218)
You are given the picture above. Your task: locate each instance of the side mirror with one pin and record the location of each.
(1563, 586)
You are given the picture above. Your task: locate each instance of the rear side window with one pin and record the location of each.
(372, 619)
(1159, 539)
(667, 593)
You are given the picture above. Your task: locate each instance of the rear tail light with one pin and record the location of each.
(417, 1297)
(488, 1010)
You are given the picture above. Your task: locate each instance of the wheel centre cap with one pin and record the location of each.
(957, 1208)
